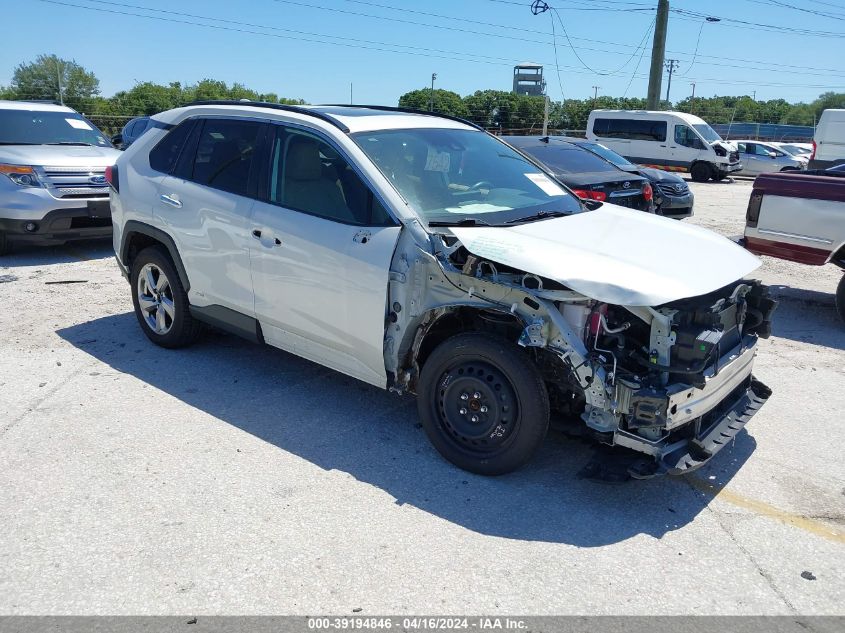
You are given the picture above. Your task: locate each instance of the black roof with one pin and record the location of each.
(330, 112)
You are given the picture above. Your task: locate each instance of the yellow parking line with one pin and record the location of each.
(761, 508)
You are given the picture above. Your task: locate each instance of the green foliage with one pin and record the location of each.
(40, 80)
(445, 101)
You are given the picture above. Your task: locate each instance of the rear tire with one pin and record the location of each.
(161, 303)
(701, 172)
(840, 298)
(483, 403)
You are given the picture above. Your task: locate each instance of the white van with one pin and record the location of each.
(829, 140)
(674, 141)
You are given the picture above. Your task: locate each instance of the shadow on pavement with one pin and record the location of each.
(807, 316)
(339, 423)
(24, 254)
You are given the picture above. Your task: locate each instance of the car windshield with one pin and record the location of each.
(567, 159)
(607, 154)
(707, 132)
(37, 127)
(451, 176)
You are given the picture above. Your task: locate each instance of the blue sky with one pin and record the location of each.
(314, 49)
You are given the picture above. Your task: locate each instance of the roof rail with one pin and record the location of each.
(405, 111)
(276, 106)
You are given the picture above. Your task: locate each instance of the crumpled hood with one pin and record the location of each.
(616, 255)
(58, 155)
(659, 175)
(728, 145)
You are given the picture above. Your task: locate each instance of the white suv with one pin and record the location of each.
(418, 253)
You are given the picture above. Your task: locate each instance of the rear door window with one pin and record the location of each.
(225, 154)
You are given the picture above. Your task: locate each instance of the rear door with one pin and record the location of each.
(321, 244)
(205, 205)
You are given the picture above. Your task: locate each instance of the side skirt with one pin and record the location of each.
(230, 321)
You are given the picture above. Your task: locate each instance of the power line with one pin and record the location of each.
(361, 44)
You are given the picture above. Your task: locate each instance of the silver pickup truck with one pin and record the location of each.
(800, 218)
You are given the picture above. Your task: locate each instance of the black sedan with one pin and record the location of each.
(672, 196)
(588, 175)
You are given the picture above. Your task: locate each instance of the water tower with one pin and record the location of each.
(528, 79)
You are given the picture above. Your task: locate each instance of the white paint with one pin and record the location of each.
(803, 221)
(616, 255)
(79, 124)
(546, 184)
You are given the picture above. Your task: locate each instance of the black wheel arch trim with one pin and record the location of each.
(133, 226)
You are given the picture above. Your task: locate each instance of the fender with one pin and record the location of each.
(133, 227)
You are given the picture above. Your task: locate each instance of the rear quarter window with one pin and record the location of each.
(164, 155)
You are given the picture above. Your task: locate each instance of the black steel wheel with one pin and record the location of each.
(701, 172)
(483, 403)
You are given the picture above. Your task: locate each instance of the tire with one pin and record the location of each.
(4, 244)
(156, 285)
(840, 298)
(701, 172)
(483, 403)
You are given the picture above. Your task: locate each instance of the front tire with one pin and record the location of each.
(160, 300)
(701, 172)
(483, 403)
(840, 298)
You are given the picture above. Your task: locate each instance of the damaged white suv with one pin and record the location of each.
(420, 254)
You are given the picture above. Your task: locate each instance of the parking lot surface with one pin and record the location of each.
(231, 478)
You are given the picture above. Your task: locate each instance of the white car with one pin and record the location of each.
(420, 254)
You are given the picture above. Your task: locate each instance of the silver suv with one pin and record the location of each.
(420, 254)
(52, 175)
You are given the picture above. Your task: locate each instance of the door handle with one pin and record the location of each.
(171, 200)
(256, 233)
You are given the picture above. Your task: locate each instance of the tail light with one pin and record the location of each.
(587, 194)
(111, 177)
(752, 214)
(813, 155)
(648, 192)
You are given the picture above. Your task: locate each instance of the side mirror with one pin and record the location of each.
(117, 140)
(773, 155)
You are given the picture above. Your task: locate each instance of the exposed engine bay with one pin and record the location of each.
(672, 382)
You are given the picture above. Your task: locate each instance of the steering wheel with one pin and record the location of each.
(481, 184)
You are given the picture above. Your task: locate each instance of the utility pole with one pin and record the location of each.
(671, 65)
(431, 95)
(59, 78)
(350, 94)
(545, 115)
(692, 99)
(658, 52)
(595, 95)
(754, 95)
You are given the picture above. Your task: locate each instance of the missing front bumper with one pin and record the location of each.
(708, 435)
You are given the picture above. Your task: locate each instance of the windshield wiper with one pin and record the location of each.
(461, 222)
(71, 143)
(540, 215)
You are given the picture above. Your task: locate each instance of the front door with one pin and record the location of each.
(321, 246)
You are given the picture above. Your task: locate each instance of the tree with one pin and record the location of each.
(40, 80)
(445, 101)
